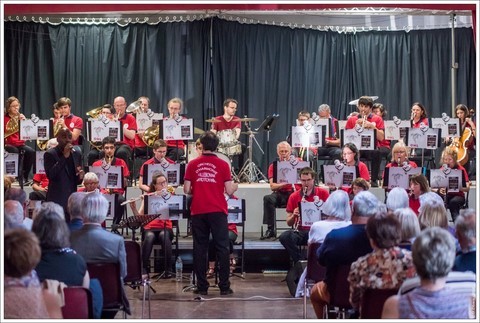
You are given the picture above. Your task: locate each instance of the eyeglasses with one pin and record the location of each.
(400, 152)
(161, 183)
(348, 153)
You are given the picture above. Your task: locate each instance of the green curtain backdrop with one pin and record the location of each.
(268, 69)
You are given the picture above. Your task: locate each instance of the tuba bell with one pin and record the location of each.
(42, 144)
(150, 135)
(134, 107)
(12, 127)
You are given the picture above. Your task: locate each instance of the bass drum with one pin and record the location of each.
(224, 157)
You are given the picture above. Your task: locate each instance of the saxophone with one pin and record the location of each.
(297, 220)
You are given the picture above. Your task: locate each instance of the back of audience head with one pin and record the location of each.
(95, 208)
(397, 198)
(410, 227)
(384, 230)
(465, 228)
(432, 211)
(433, 253)
(365, 204)
(22, 252)
(359, 184)
(16, 194)
(13, 213)
(338, 206)
(50, 227)
(74, 204)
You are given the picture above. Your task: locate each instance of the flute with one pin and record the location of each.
(133, 199)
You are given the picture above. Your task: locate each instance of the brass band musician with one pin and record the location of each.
(159, 151)
(141, 148)
(13, 144)
(70, 121)
(108, 112)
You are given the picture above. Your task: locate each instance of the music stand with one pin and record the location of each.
(136, 221)
(267, 126)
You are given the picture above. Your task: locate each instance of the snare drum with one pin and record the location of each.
(227, 138)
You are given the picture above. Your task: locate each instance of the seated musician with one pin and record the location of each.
(175, 148)
(400, 153)
(141, 148)
(223, 127)
(108, 148)
(280, 192)
(367, 120)
(453, 200)
(468, 143)
(95, 152)
(156, 229)
(332, 142)
(40, 180)
(159, 152)
(292, 239)
(70, 121)
(302, 118)
(351, 157)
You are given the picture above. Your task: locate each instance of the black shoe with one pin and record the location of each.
(226, 292)
(270, 233)
(374, 183)
(200, 292)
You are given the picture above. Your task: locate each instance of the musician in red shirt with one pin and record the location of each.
(70, 121)
(159, 151)
(175, 148)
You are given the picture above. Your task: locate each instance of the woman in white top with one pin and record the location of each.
(336, 213)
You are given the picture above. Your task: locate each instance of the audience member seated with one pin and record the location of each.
(432, 212)
(344, 246)
(358, 185)
(418, 186)
(75, 209)
(280, 192)
(453, 200)
(60, 262)
(336, 214)
(40, 180)
(410, 227)
(433, 256)
(24, 297)
(465, 230)
(97, 245)
(17, 194)
(387, 266)
(292, 239)
(397, 198)
(157, 229)
(13, 215)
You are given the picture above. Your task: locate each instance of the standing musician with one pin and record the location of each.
(141, 148)
(207, 177)
(108, 147)
(159, 151)
(13, 144)
(292, 239)
(64, 169)
(70, 121)
(453, 200)
(175, 148)
(467, 138)
(280, 192)
(40, 180)
(229, 121)
(417, 118)
(367, 120)
(125, 147)
(156, 229)
(94, 154)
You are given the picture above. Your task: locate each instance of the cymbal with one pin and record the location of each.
(212, 120)
(198, 131)
(247, 119)
(249, 133)
(355, 102)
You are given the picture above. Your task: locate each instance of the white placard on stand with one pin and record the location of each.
(108, 176)
(11, 163)
(148, 119)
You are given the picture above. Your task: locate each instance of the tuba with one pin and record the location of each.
(42, 144)
(150, 135)
(134, 107)
(95, 112)
(12, 127)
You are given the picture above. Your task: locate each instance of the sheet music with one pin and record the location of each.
(146, 120)
(235, 210)
(340, 175)
(400, 176)
(165, 205)
(108, 177)
(99, 129)
(452, 179)
(39, 168)
(450, 126)
(364, 139)
(307, 136)
(173, 172)
(423, 137)
(11, 163)
(181, 129)
(396, 128)
(310, 212)
(33, 129)
(288, 171)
